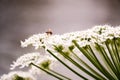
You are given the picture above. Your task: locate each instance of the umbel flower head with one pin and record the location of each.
(45, 61)
(100, 45)
(97, 34)
(17, 75)
(26, 60)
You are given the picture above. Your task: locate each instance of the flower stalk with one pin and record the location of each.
(47, 71)
(67, 66)
(95, 62)
(87, 66)
(75, 63)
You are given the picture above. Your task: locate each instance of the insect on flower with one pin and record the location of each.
(49, 32)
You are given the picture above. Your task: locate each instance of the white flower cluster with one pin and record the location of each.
(36, 40)
(106, 32)
(36, 58)
(25, 60)
(17, 75)
(97, 34)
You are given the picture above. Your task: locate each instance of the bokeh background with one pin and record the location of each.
(19, 19)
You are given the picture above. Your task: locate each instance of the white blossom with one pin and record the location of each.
(117, 32)
(25, 60)
(17, 74)
(35, 40)
(104, 32)
(36, 58)
(97, 34)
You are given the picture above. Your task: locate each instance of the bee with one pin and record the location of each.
(49, 32)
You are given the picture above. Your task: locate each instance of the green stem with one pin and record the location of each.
(59, 74)
(47, 71)
(106, 60)
(116, 49)
(117, 54)
(114, 54)
(96, 63)
(87, 66)
(76, 64)
(112, 57)
(110, 62)
(117, 41)
(67, 65)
